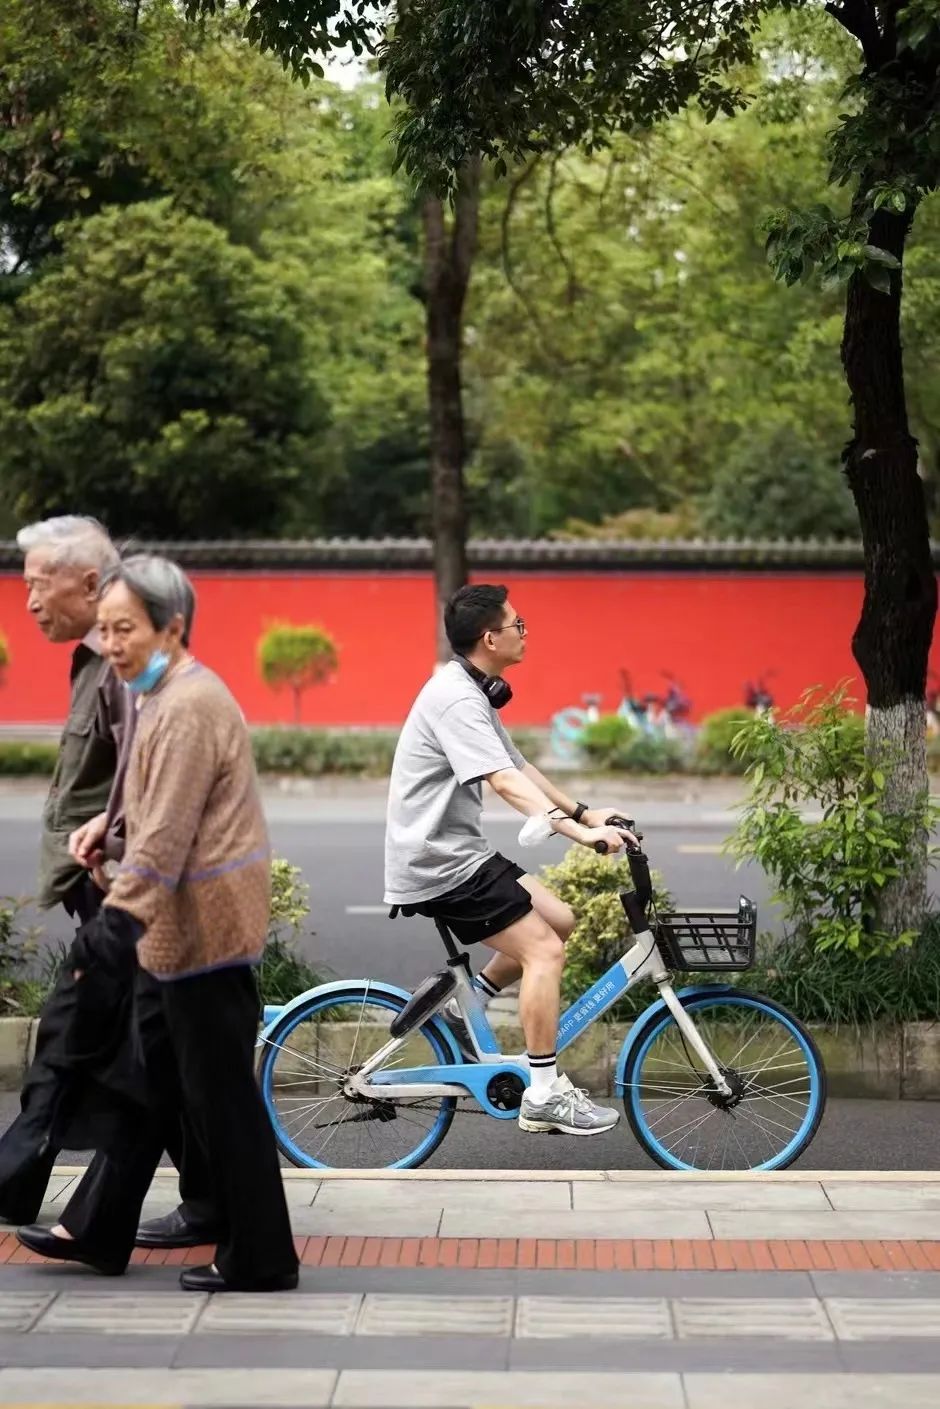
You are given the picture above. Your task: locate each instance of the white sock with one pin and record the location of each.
(485, 990)
(485, 993)
(543, 1072)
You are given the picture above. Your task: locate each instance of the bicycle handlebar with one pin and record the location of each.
(623, 824)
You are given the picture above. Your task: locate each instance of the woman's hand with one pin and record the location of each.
(85, 842)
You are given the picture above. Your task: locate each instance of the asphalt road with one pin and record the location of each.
(853, 1135)
(338, 844)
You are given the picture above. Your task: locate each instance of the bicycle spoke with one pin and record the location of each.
(772, 1096)
(305, 1077)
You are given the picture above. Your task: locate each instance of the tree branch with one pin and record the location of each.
(550, 226)
(509, 271)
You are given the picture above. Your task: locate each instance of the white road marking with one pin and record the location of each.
(367, 909)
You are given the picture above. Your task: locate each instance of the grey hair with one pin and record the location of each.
(161, 585)
(74, 540)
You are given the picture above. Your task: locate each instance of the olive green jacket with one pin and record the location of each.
(84, 770)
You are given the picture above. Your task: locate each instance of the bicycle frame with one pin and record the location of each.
(463, 1079)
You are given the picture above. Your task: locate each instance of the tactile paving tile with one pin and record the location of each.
(778, 1318)
(436, 1315)
(18, 1310)
(545, 1317)
(317, 1313)
(871, 1318)
(123, 1313)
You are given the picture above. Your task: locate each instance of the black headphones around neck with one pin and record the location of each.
(497, 690)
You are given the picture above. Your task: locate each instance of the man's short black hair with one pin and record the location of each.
(471, 612)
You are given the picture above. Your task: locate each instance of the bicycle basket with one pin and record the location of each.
(708, 939)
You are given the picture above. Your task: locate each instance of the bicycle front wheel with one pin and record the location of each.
(305, 1062)
(772, 1064)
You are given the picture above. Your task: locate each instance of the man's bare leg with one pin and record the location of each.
(502, 970)
(530, 947)
(549, 1103)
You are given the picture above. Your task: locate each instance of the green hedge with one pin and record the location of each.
(610, 743)
(21, 758)
(312, 752)
(308, 752)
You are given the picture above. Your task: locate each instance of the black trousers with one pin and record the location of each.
(27, 1150)
(199, 1055)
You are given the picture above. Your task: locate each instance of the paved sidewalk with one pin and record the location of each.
(490, 1291)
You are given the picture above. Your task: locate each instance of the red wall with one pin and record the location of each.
(712, 630)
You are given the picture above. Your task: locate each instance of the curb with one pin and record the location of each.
(577, 1176)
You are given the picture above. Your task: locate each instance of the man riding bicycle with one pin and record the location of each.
(439, 864)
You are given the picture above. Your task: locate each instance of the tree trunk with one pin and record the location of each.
(892, 639)
(449, 247)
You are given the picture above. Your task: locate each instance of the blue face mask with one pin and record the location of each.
(151, 675)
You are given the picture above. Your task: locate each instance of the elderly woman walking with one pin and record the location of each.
(192, 896)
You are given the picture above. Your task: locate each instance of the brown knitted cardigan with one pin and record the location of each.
(196, 869)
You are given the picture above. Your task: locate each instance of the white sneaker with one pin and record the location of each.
(568, 1109)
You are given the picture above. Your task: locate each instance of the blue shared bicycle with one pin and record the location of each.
(362, 1074)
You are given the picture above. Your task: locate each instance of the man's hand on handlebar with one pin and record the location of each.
(605, 839)
(600, 816)
(609, 839)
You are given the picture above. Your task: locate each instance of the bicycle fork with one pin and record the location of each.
(644, 960)
(693, 1037)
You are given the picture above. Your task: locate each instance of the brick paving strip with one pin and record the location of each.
(574, 1254)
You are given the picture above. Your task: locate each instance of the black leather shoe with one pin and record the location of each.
(209, 1279)
(65, 1250)
(174, 1231)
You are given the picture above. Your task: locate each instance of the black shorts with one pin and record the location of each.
(489, 902)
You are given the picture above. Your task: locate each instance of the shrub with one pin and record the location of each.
(591, 885)
(713, 751)
(312, 752)
(20, 758)
(613, 742)
(833, 986)
(649, 753)
(298, 657)
(605, 737)
(17, 946)
(283, 972)
(828, 873)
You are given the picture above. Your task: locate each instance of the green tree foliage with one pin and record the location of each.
(629, 368)
(157, 377)
(114, 106)
(298, 657)
(770, 481)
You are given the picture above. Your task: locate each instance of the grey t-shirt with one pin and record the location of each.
(450, 741)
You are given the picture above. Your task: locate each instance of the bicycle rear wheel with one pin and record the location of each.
(772, 1064)
(305, 1062)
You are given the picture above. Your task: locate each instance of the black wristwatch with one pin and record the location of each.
(579, 811)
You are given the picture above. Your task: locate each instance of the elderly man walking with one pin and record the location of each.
(65, 561)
